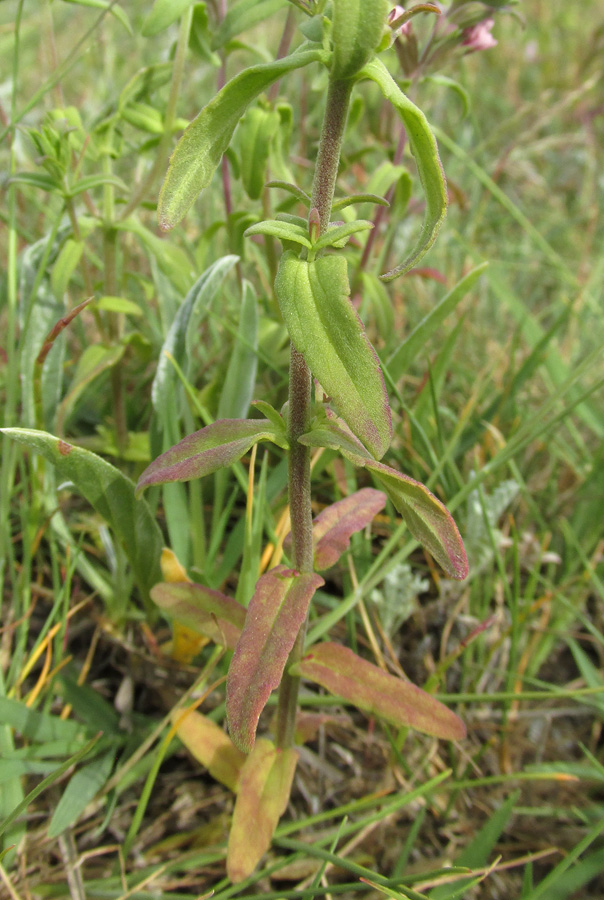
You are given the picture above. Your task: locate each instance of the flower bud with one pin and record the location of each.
(479, 37)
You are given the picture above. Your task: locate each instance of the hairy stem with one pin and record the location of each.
(326, 171)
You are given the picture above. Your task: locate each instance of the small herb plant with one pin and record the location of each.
(347, 413)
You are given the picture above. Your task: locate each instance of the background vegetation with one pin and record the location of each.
(497, 403)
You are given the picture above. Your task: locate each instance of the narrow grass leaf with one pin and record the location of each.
(425, 151)
(201, 147)
(240, 379)
(217, 445)
(369, 688)
(109, 5)
(264, 788)
(400, 361)
(208, 743)
(110, 493)
(81, 790)
(275, 615)
(325, 328)
(37, 726)
(208, 612)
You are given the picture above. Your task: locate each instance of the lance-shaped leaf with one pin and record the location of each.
(429, 168)
(208, 612)
(284, 231)
(264, 787)
(371, 689)
(200, 149)
(110, 493)
(358, 26)
(256, 131)
(214, 447)
(275, 615)
(332, 528)
(210, 746)
(428, 520)
(325, 328)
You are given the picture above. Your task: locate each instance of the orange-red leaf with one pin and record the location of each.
(371, 689)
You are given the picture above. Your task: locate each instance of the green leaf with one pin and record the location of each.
(109, 5)
(112, 496)
(324, 327)
(428, 520)
(275, 615)
(65, 265)
(343, 202)
(242, 16)
(119, 305)
(284, 231)
(358, 26)
(207, 742)
(200, 149)
(263, 793)
(291, 189)
(240, 380)
(37, 726)
(337, 235)
(94, 361)
(219, 617)
(212, 448)
(400, 361)
(256, 131)
(425, 151)
(35, 179)
(163, 14)
(369, 688)
(81, 790)
(187, 321)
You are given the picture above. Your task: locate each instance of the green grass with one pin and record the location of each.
(497, 406)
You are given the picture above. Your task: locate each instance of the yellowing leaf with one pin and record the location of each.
(210, 746)
(264, 788)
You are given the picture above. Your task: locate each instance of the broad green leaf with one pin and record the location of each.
(284, 231)
(264, 787)
(81, 790)
(324, 327)
(208, 612)
(207, 742)
(275, 615)
(201, 147)
(256, 131)
(205, 451)
(112, 496)
(240, 380)
(332, 528)
(424, 149)
(369, 688)
(400, 361)
(358, 26)
(188, 318)
(428, 520)
(163, 14)
(242, 16)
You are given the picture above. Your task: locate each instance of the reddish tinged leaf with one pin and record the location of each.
(274, 617)
(428, 520)
(209, 612)
(332, 528)
(308, 725)
(371, 689)
(210, 746)
(214, 447)
(264, 788)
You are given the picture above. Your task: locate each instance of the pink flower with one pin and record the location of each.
(479, 37)
(395, 14)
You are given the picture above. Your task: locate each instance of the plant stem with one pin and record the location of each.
(300, 383)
